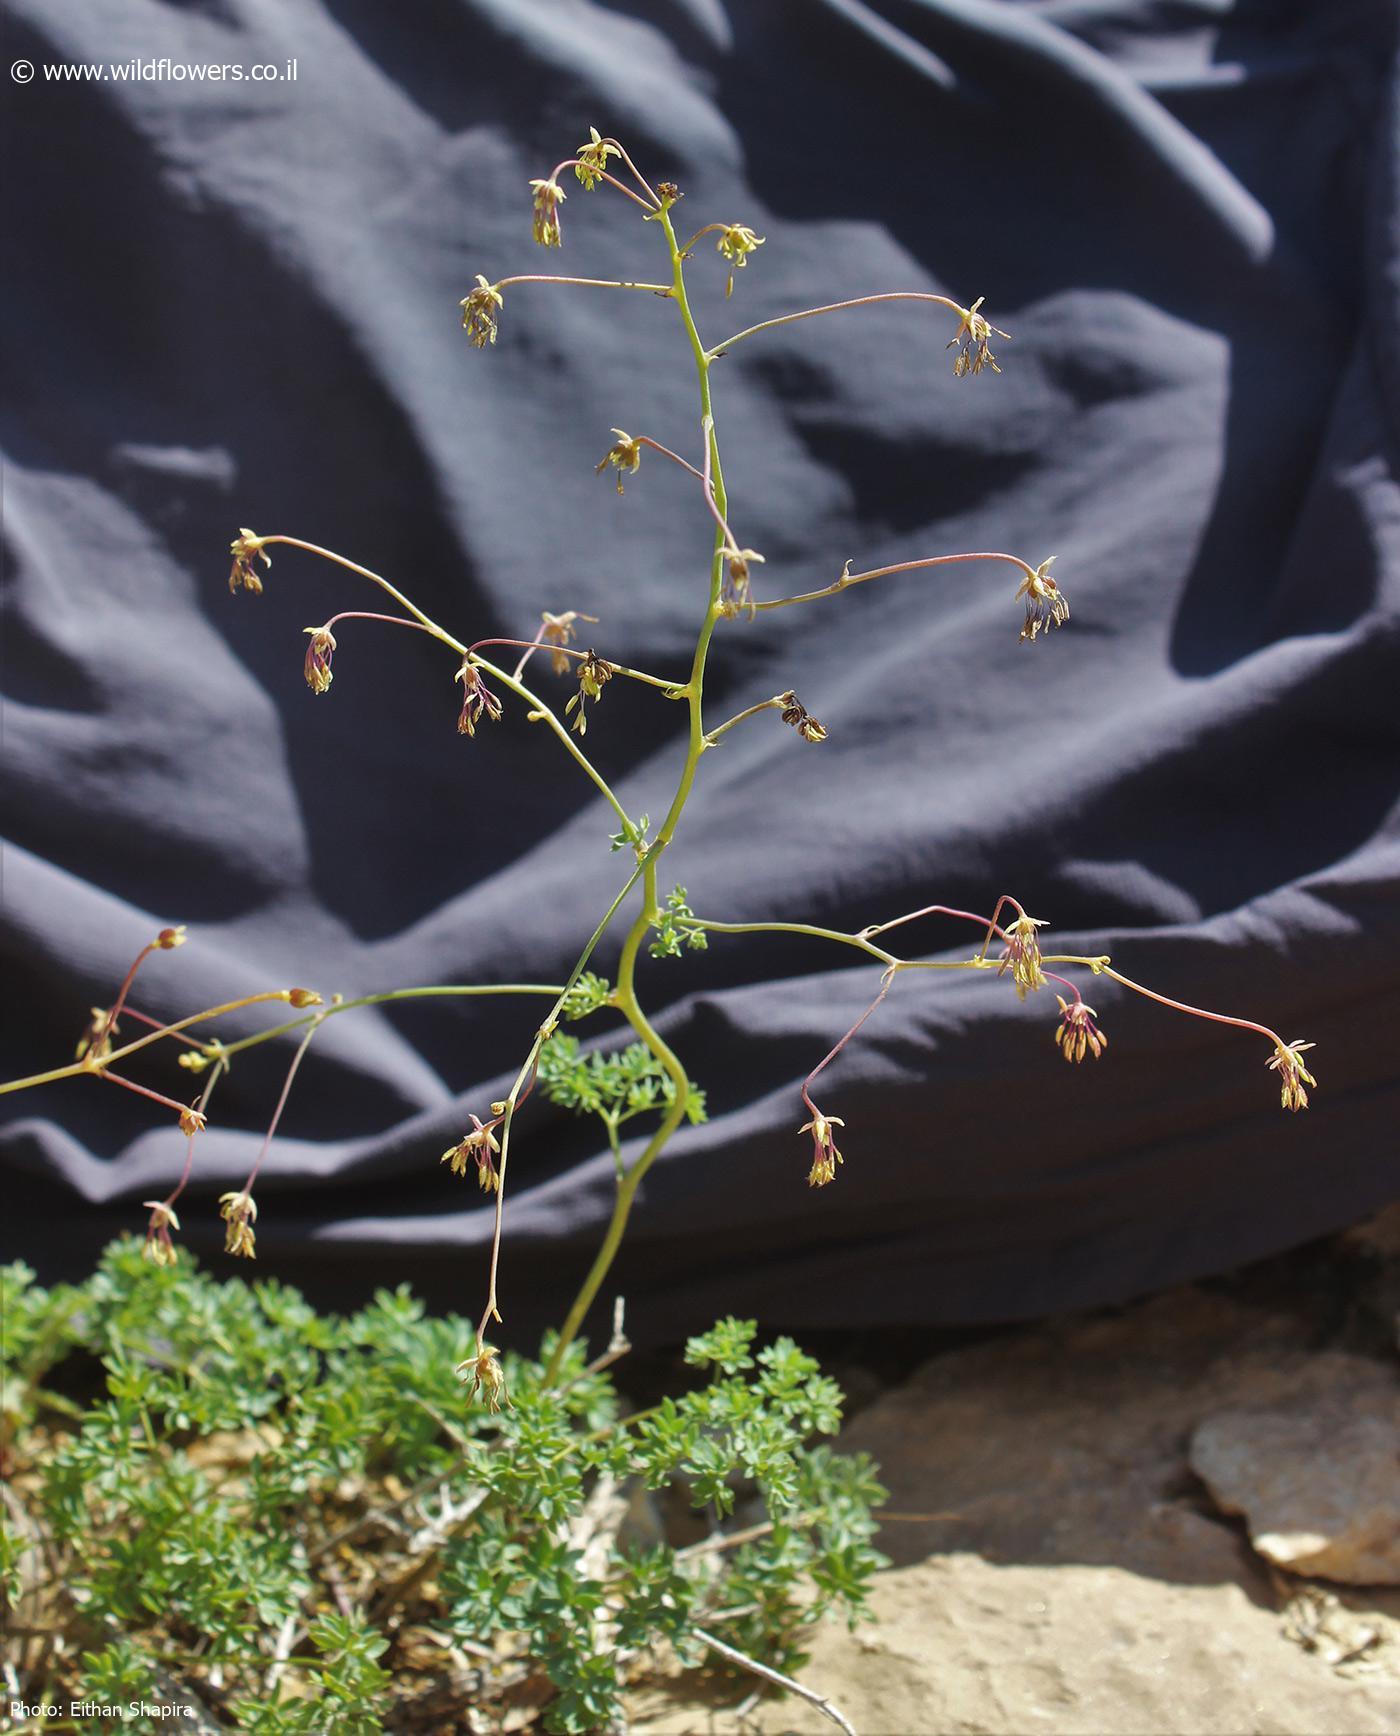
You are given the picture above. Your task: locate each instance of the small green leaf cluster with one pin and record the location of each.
(614, 1085)
(631, 836)
(669, 935)
(248, 1500)
(345, 1688)
(588, 993)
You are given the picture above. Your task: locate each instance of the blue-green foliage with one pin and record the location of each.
(198, 1456)
(613, 1084)
(670, 930)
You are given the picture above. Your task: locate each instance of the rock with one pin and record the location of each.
(961, 1647)
(1061, 1569)
(1066, 1442)
(1318, 1484)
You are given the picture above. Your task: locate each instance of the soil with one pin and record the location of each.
(1058, 1566)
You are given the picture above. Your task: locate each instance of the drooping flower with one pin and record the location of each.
(593, 159)
(1077, 1034)
(1022, 955)
(169, 938)
(594, 673)
(317, 668)
(244, 547)
(95, 1044)
(797, 717)
(478, 700)
(736, 592)
(479, 311)
(825, 1155)
(238, 1210)
(973, 338)
(1293, 1075)
(736, 243)
(158, 1247)
(478, 1147)
(1046, 604)
(191, 1122)
(486, 1375)
(624, 456)
(558, 631)
(549, 196)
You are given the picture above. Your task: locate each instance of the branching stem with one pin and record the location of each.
(566, 651)
(76, 1069)
(769, 325)
(1184, 1007)
(626, 993)
(539, 710)
(585, 282)
(848, 579)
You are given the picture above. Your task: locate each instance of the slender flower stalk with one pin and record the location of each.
(539, 711)
(317, 668)
(239, 1210)
(153, 1024)
(190, 1119)
(91, 1064)
(648, 204)
(1030, 576)
(661, 289)
(614, 146)
(793, 713)
(944, 301)
(96, 1041)
(158, 1246)
(675, 457)
(826, 1157)
(523, 1080)
(564, 653)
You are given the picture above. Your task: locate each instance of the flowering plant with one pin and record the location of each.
(647, 1079)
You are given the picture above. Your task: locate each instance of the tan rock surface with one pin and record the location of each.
(1319, 1488)
(961, 1646)
(1085, 1584)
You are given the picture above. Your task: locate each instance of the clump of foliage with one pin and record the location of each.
(219, 1496)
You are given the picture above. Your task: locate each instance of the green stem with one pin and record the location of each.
(769, 325)
(778, 700)
(540, 712)
(296, 542)
(513, 1096)
(663, 289)
(536, 704)
(626, 993)
(615, 1144)
(390, 995)
(538, 644)
(848, 578)
(76, 1069)
(857, 940)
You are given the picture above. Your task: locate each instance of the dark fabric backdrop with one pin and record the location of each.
(237, 304)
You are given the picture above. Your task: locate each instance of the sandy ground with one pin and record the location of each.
(1084, 1581)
